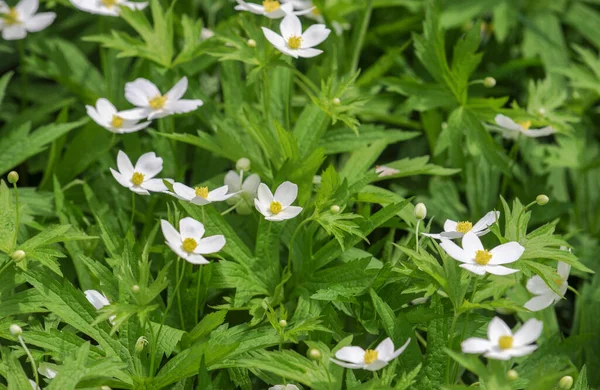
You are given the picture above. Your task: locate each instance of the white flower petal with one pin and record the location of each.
(451, 235)
(471, 244)
(385, 350)
(96, 117)
(176, 247)
(196, 259)
(232, 181)
(348, 365)
(190, 228)
(507, 123)
(275, 39)
(250, 185)
(122, 180)
(178, 90)
(149, 165)
(184, 191)
(475, 345)
(528, 333)
(210, 244)
(309, 53)
(540, 302)
(454, 251)
(498, 355)
(536, 285)
(496, 329)
(124, 165)
(522, 351)
(134, 5)
(314, 35)
(183, 106)
(563, 270)
(286, 193)
(170, 233)
(14, 32)
(450, 225)
(351, 354)
(475, 268)
(399, 351)
(289, 212)
(97, 299)
(136, 113)
(140, 91)
(376, 365)
(265, 196)
(40, 21)
(488, 220)
(290, 27)
(543, 132)
(105, 108)
(506, 253)
(155, 185)
(500, 270)
(26, 8)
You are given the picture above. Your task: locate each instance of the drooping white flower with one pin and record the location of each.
(512, 129)
(47, 371)
(284, 387)
(371, 359)
(544, 295)
(201, 195)
(272, 9)
(17, 21)
(502, 344)
(189, 243)
(106, 115)
(245, 190)
(384, 171)
(139, 179)
(33, 385)
(293, 42)
(277, 207)
(107, 7)
(453, 229)
(152, 104)
(98, 300)
(480, 261)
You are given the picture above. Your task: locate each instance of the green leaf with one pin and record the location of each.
(4, 80)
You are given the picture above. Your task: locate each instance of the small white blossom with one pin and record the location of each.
(152, 104)
(98, 300)
(384, 171)
(502, 344)
(544, 295)
(371, 359)
(107, 7)
(454, 229)
(201, 195)
(272, 9)
(480, 261)
(277, 207)
(140, 179)
(106, 115)
(33, 385)
(293, 42)
(206, 34)
(47, 371)
(284, 387)
(512, 129)
(189, 243)
(246, 190)
(17, 21)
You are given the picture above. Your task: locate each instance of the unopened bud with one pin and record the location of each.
(243, 164)
(140, 344)
(542, 200)
(335, 209)
(251, 43)
(15, 330)
(444, 125)
(565, 383)
(314, 354)
(420, 211)
(489, 82)
(13, 177)
(135, 288)
(542, 111)
(105, 388)
(512, 375)
(18, 255)
(283, 323)
(336, 101)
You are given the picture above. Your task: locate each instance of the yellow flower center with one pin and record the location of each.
(295, 42)
(464, 227)
(137, 178)
(157, 102)
(370, 356)
(271, 5)
(109, 3)
(558, 280)
(525, 125)
(117, 122)
(202, 192)
(11, 17)
(275, 207)
(189, 244)
(483, 257)
(505, 342)
(316, 11)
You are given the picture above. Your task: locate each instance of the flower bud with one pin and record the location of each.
(135, 288)
(105, 388)
(420, 211)
(565, 383)
(15, 330)
(542, 200)
(251, 43)
(140, 344)
(336, 101)
(489, 82)
(18, 255)
(243, 164)
(335, 209)
(444, 125)
(314, 354)
(512, 375)
(244, 209)
(283, 323)
(13, 177)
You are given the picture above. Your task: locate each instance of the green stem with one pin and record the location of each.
(462, 337)
(197, 305)
(132, 211)
(203, 218)
(17, 221)
(35, 373)
(24, 76)
(451, 338)
(179, 295)
(311, 88)
(232, 207)
(417, 235)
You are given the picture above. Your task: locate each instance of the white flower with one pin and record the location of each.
(512, 129)
(152, 104)
(106, 115)
(107, 7)
(246, 190)
(481, 261)
(272, 9)
(206, 34)
(188, 242)
(33, 385)
(453, 229)
(284, 387)
(371, 359)
(47, 371)
(17, 21)
(201, 195)
(98, 300)
(384, 171)
(293, 42)
(544, 295)
(502, 344)
(141, 178)
(277, 207)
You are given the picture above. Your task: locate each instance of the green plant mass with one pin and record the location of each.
(299, 194)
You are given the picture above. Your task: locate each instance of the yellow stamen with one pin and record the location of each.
(294, 42)
(275, 207)
(558, 280)
(371, 356)
(483, 257)
(525, 125)
(117, 122)
(316, 11)
(189, 244)
(11, 17)
(137, 178)
(157, 102)
(271, 5)
(464, 227)
(505, 342)
(109, 3)
(202, 192)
